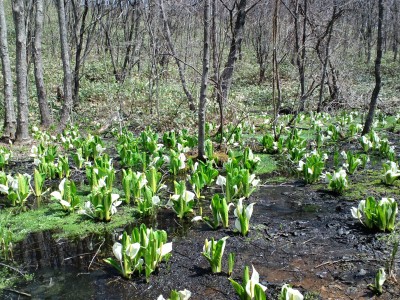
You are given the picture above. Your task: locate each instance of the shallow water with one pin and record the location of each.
(297, 236)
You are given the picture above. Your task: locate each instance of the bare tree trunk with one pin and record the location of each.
(21, 70)
(68, 102)
(328, 32)
(301, 53)
(45, 114)
(395, 32)
(204, 80)
(171, 47)
(78, 53)
(10, 122)
(215, 54)
(276, 83)
(227, 73)
(378, 79)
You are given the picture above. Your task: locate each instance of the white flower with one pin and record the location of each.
(382, 276)
(239, 212)
(197, 218)
(132, 250)
(65, 203)
(164, 249)
(34, 151)
(114, 203)
(102, 181)
(56, 195)
(189, 196)
(12, 182)
(301, 164)
(184, 295)
(221, 180)
(292, 294)
(357, 212)
(155, 200)
(3, 189)
(344, 154)
(182, 159)
(117, 250)
(254, 280)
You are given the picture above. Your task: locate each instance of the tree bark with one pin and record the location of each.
(378, 79)
(227, 74)
(68, 102)
(171, 47)
(45, 114)
(78, 53)
(204, 81)
(21, 70)
(275, 68)
(301, 53)
(329, 31)
(215, 52)
(10, 122)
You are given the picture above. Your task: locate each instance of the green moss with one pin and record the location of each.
(267, 164)
(369, 183)
(52, 218)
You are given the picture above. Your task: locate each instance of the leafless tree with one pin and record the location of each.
(204, 80)
(378, 79)
(22, 135)
(10, 121)
(68, 101)
(45, 114)
(178, 62)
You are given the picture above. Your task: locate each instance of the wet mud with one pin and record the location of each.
(298, 235)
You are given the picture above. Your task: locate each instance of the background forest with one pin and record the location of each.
(140, 62)
(141, 136)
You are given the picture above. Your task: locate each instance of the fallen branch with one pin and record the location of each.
(97, 252)
(18, 292)
(331, 262)
(12, 268)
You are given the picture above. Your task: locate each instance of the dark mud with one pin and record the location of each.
(299, 236)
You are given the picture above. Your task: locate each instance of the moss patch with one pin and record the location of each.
(52, 218)
(267, 164)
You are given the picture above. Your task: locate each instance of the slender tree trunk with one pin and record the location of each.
(78, 53)
(215, 55)
(227, 73)
(21, 70)
(326, 59)
(301, 54)
(45, 114)
(276, 83)
(68, 102)
(204, 80)
(10, 122)
(378, 79)
(171, 47)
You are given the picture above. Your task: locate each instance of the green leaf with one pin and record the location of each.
(238, 288)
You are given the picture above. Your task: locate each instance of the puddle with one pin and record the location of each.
(297, 236)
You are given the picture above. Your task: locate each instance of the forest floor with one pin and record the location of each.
(299, 235)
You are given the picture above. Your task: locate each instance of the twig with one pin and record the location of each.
(12, 268)
(305, 242)
(78, 255)
(97, 252)
(18, 292)
(331, 262)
